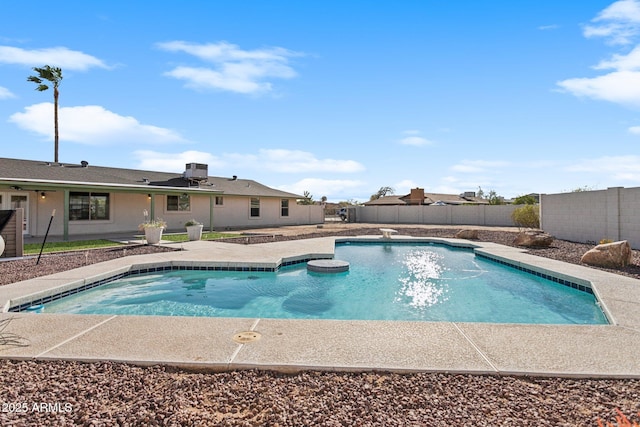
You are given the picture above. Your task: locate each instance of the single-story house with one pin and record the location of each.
(419, 197)
(91, 199)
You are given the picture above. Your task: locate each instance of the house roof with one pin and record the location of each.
(386, 200)
(42, 175)
(429, 198)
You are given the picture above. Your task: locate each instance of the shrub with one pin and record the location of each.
(526, 216)
(603, 241)
(191, 222)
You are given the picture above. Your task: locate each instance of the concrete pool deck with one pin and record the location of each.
(220, 344)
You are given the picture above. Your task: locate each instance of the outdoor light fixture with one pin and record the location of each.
(43, 196)
(149, 196)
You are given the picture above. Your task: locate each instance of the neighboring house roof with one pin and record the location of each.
(429, 198)
(44, 175)
(386, 200)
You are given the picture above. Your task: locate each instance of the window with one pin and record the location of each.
(179, 203)
(255, 207)
(284, 207)
(88, 206)
(219, 201)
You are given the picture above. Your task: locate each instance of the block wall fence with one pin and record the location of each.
(488, 215)
(590, 216)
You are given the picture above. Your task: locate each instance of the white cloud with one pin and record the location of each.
(623, 168)
(414, 139)
(91, 125)
(323, 187)
(619, 22)
(175, 162)
(475, 166)
(275, 160)
(235, 70)
(634, 130)
(6, 93)
(629, 62)
(548, 27)
(622, 87)
(56, 56)
(293, 161)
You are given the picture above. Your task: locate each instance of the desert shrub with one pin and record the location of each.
(526, 216)
(603, 241)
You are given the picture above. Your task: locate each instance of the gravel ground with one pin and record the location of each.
(109, 394)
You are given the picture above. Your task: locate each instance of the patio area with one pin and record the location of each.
(219, 344)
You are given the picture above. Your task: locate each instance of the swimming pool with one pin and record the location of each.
(423, 282)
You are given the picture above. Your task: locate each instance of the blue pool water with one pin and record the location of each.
(385, 282)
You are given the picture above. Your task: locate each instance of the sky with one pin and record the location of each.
(335, 98)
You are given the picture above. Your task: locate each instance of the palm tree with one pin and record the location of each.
(53, 75)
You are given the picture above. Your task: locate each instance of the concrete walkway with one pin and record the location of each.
(293, 345)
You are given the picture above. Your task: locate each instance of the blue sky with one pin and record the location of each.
(338, 98)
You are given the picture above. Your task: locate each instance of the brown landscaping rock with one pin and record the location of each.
(467, 234)
(609, 255)
(533, 239)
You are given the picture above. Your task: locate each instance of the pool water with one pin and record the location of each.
(422, 282)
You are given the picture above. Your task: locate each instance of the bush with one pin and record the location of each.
(527, 216)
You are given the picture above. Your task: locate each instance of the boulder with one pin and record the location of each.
(467, 234)
(533, 239)
(609, 255)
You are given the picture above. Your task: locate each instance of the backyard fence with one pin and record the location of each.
(590, 216)
(487, 215)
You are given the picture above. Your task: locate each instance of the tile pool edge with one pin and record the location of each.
(23, 303)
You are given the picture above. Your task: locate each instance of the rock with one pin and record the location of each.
(467, 234)
(609, 255)
(533, 239)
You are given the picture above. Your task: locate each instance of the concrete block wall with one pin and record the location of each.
(590, 216)
(492, 215)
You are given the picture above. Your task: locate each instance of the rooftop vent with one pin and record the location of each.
(196, 171)
(84, 163)
(469, 194)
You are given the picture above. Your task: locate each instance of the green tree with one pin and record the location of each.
(308, 199)
(494, 199)
(54, 76)
(383, 191)
(525, 200)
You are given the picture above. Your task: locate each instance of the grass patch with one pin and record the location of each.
(34, 248)
(182, 237)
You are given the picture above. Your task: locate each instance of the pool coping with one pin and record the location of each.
(294, 345)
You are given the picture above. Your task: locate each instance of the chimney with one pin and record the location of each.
(417, 196)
